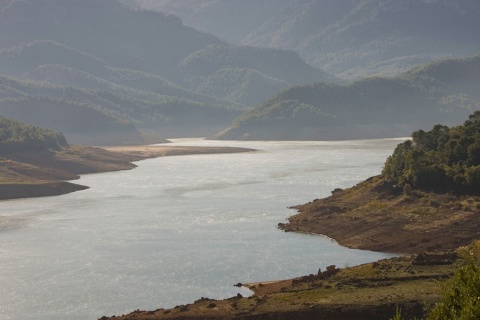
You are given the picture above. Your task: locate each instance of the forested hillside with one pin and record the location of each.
(443, 159)
(350, 38)
(139, 69)
(18, 136)
(441, 92)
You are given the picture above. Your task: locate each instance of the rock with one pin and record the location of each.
(431, 259)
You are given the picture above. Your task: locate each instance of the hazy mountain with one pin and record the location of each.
(81, 119)
(95, 116)
(158, 74)
(125, 38)
(441, 92)
(349, 38)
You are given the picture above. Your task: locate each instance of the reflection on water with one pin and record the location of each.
(175, 229)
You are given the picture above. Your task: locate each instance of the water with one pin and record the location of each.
(175, 229)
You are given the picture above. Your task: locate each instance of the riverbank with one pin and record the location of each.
(371, 215)
(371, 291)
(154, 151)
(39, 174)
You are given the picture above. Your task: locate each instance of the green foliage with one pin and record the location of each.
(18, 136)
(443, 159)
(398, 314)
(461, 295)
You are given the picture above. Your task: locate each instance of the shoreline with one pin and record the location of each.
(372, 216)
(426, 228)
(30, 175)
(154, 151)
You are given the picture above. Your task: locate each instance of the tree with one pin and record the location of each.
(461, 295)
(442, 159)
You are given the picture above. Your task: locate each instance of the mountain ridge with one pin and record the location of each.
(370, 108)
(351, 39)
(140, 58)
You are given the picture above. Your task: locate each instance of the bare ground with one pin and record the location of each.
(34, 174)
(375, 216)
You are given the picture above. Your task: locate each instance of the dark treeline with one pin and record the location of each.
(18, 136)
(443, 159)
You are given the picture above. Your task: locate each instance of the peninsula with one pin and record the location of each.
(36, 162)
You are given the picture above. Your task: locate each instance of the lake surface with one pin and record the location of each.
(176, 229)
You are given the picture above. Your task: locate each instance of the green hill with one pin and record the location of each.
(369, 108)
(443, 159)
(17, 136)
(108, 113)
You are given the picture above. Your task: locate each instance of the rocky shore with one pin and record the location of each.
(371, 291)
(374, 215)
(427, 228)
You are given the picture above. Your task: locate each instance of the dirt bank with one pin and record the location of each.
(370, 291)
(371, 215)
(375, 216)
(38, 174)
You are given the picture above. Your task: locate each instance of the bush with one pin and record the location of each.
(461, 295)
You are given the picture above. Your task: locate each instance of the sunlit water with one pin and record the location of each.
(175, 229)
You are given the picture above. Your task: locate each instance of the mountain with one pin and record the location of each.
(441, 92)
(351, 39)
(146, 68)
(100, 117)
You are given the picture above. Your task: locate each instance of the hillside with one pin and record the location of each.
(144, 65)
(440, 92)
(351, 39)
(427, 197)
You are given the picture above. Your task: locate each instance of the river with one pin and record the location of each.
(176, 229)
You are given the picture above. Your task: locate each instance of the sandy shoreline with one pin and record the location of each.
(153, 151)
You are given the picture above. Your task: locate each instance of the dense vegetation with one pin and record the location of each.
(460, 294)
(442, 159)
(18, 136)
(460, 298)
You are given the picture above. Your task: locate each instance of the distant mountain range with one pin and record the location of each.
(350, 38)
(103, 72)
(440, 92)
(128, 72)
